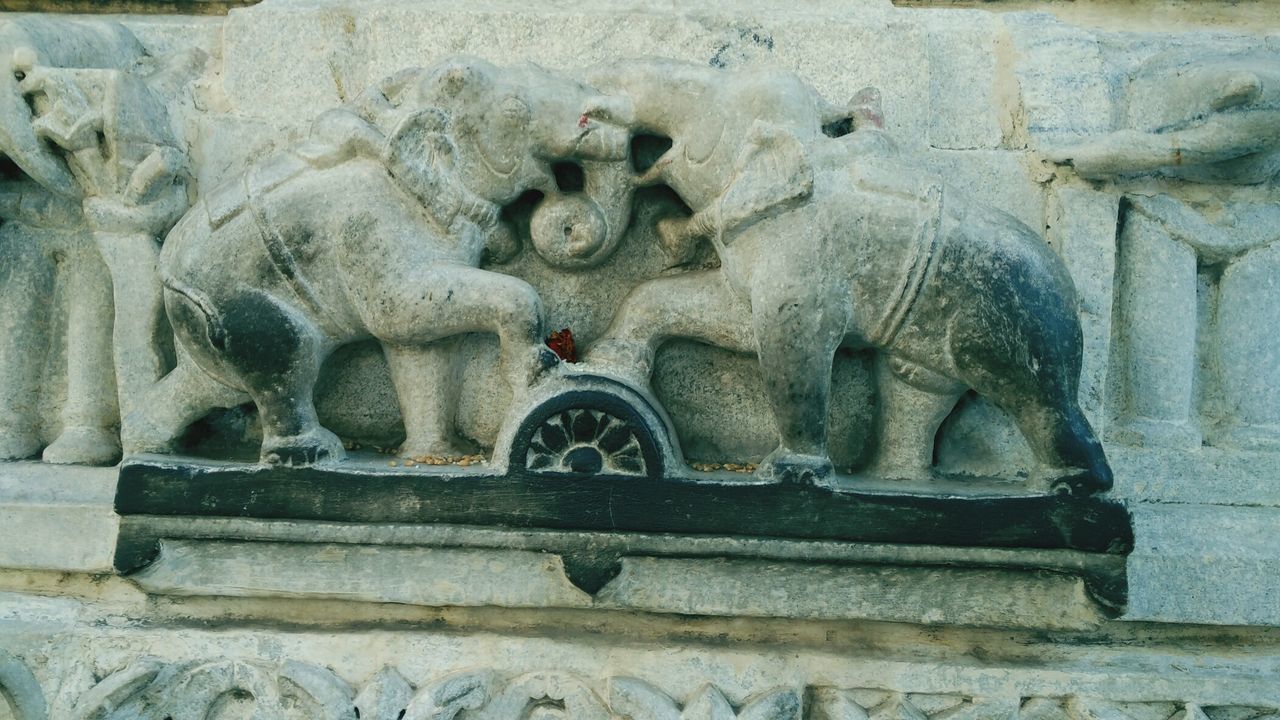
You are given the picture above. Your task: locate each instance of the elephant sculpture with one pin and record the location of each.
(827, 239)
(85, 140)
(375, 228)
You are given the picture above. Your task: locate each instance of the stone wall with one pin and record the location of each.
(1174, 265)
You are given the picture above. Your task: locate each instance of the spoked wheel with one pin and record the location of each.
(597, 426)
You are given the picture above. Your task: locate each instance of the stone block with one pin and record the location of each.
(1066, 85)
(1205, 565)
(1008, 180)
(39, 503)
(289, 64)
(1082, 228)
(966, 109)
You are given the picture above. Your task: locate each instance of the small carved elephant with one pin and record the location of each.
(376, 228)
(828, 239)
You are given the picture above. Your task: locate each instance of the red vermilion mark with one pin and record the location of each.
(561, 343)
(582, 121)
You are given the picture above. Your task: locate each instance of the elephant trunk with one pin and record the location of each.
(56, 43)
(610, 185)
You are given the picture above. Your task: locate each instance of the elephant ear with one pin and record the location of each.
(772, 172)
(454, 81)
(419, 154)
(421, 136)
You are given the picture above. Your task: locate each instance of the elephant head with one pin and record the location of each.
(526, 112)
(53, 43)
(478, 125)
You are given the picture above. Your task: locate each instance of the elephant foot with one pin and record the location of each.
(530, 367)
(896, 471)
(139, 436)
(80, 445)
(439, 448)
(314, 447)
(626, 360)
(794, 468)
(1079, 484)
(18, 444)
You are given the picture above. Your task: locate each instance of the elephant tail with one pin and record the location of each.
(215, 330)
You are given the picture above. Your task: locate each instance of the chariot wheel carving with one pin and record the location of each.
(585, 433)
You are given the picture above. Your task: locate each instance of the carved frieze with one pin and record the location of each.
(155, 690)
(1195, 249)
(393, 220)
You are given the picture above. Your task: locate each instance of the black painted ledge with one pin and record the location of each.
(592, 522)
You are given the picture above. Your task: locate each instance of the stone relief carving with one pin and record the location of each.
(806, 232)
(97, 178)
(829, 241)
(1193, 115)
(373, 229)
(316, 269)
(1197, 252)
(155, 690)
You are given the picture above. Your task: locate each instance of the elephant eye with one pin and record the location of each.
(514, 111)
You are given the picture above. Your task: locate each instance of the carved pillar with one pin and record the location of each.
(1157, 333)
(1248, 350)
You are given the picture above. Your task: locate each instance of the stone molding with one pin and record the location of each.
(150, 689)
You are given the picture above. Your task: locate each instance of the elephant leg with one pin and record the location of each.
(138, 337)
(182, 397)
(1065, 444)
(273, 351)
(88, 435)
(698, 306)
(461, 299)
(913, 403)
(425, 378)
(26, 291)
(798, 329)
(1032, 370)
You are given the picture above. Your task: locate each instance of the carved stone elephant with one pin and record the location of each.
(46, 242)
(827, 239)
(375, 228)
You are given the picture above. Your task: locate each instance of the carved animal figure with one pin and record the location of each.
(828, 240)
(1202, 117)
(43, 220)
(1195, 116)
(375, 229)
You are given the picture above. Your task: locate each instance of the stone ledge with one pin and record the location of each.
(137, 7)
(461, 566)
(61, 519)
(57, 517)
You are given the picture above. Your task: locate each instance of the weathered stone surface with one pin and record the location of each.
(1185, 575)
(966, 102)
(1138, 144)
